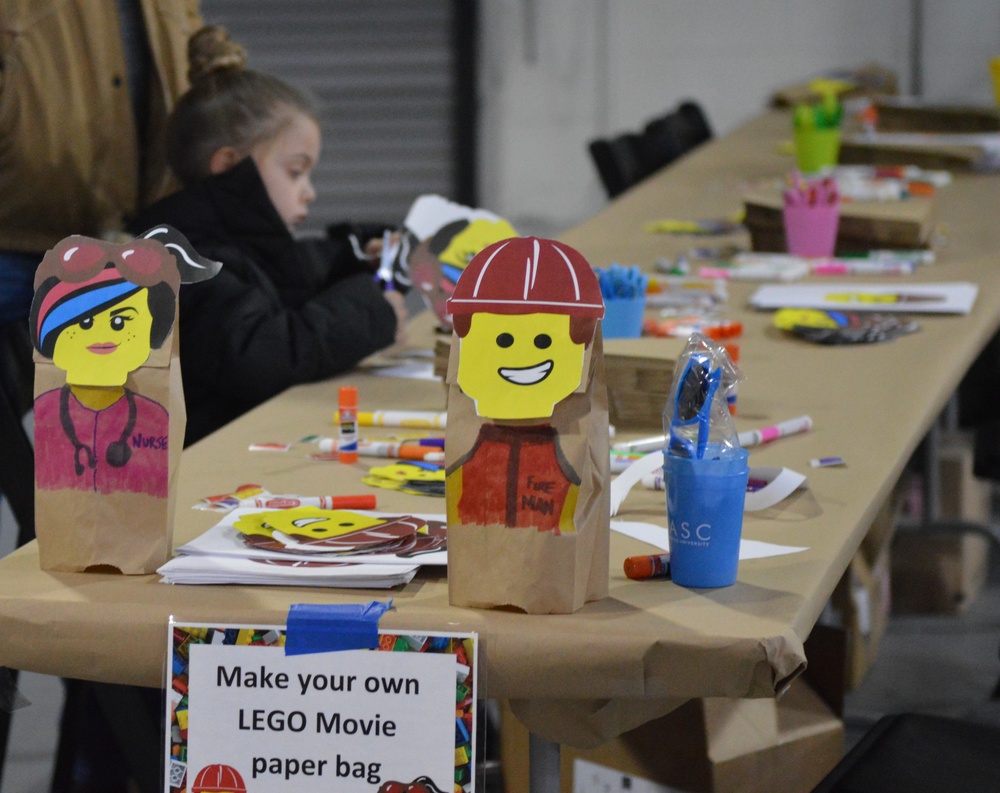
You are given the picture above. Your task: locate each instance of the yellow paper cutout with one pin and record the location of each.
(405, 472)
(473, 238)
(101, 350)
(313, 522)
(518, 366)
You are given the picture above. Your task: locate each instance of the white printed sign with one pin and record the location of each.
(350, 720)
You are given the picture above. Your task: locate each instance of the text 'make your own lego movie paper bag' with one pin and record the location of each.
(109, 405)
(527, 448)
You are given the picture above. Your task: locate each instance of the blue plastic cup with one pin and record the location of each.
(623, 317)
(705, 516)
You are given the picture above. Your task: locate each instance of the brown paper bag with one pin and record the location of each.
(527, 498)
(109, 402)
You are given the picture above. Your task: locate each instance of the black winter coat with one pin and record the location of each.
(281, 311)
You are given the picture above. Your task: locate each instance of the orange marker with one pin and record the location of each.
(639, 568)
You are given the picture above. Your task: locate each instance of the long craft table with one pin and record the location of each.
(648, 646)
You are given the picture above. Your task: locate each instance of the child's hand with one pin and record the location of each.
(395, 299)
(374, 246)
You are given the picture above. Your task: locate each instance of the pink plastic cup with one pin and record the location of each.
(811, 230)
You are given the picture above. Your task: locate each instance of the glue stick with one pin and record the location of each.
(347, 416)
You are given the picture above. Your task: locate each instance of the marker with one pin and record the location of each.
(863, 268)
(790, 427)
(401, 451)
(640, 568)
(622, 460)
(641, 445)
(365, 501)
(415, 419)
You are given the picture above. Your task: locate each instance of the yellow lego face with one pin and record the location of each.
(311, 522)
(405, 472)
(102, 349)
(518, 366)
(473, 238)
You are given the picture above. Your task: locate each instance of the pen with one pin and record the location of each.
(365, 501)
(385, 263)
(640, 568)
(415, 419)
(780, 430)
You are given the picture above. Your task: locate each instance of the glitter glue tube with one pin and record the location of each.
(347, 421)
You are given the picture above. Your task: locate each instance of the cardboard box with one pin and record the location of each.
(963, 495)
(705, 746)
(861, 604)
(863, 225)
(907, 116)
(935, 572)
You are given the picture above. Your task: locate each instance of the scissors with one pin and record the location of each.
(693, 405)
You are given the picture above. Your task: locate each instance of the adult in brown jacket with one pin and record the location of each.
(85, 90)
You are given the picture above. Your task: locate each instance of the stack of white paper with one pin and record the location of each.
(308, 546)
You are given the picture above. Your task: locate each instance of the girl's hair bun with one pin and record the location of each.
(211, 50)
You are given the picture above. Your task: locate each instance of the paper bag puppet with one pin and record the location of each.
(527, 447)
(438, 240)
(109, 405)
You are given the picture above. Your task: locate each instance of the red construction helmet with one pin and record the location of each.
(218, 778)
(528, 275)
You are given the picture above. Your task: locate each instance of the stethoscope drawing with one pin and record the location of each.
(118, 452)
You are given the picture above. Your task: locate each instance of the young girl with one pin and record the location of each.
(282, 311)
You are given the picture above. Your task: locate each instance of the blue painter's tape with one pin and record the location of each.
(313, 628)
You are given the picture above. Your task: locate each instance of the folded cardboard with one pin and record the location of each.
(863, 225)
(706, 746)
(899, 116)
(867, 81)
(640, 373)
(930, 156)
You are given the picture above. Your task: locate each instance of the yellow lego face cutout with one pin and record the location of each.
(102, 349)
(518, 366)
(311, 522)
(405, 472)
(472, 239)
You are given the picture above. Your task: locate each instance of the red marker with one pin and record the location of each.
(364, 501)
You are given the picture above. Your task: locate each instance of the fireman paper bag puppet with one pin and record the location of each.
(109, 409)
(527, 447)
(438, 240)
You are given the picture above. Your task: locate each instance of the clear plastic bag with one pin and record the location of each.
(696, 417)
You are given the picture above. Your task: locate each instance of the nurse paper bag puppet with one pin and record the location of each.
(109, 406)
(527, 449)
